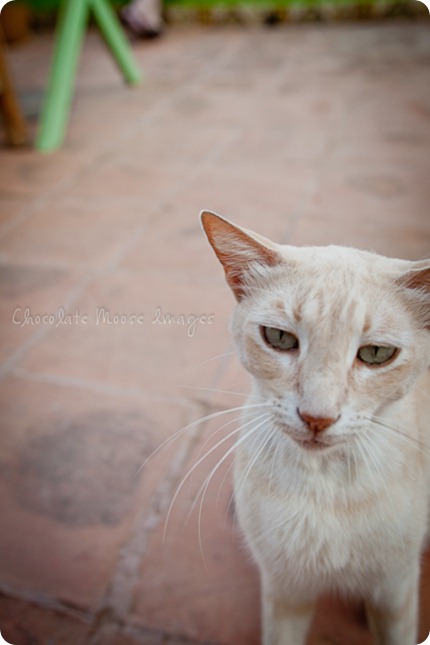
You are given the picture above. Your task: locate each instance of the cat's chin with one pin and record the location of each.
(312, 444)
(315, 445)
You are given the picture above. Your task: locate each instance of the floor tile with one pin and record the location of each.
(73, 476)
(74, 232)
(138, 334)
(307, 134)
(28, 293)
(23, 623)
(206, 589)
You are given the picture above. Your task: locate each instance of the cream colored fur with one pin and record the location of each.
(352, 515)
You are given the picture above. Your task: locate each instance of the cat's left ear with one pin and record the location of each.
(417, 283)
(239, 251)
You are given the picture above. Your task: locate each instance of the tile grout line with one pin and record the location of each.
(132, 241)
(9, 364)
(119, 597)
(133, 550)
(77, 383)
(136, 237)
(315, 181)
(118, 600)
(99, 388)
(99, 156)
(46, 603)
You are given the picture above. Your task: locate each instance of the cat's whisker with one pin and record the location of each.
(272, 469)
(348, 466)
(256, 413)
(191, 470)
(218, 391)
(203, 490)
(362, 448)
(232, 448)
(423, 392)
(194, 424)
(398, 451)
(231, 502)
(221, 486)
(388, 429)
(264, 443)
(212, 358)
(231, 499)
(257, 416)
(400, 433)
(374, 468)
(385, 447)
(218, 430)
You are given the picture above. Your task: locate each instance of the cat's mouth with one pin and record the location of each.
(313, 444)
(319, 443)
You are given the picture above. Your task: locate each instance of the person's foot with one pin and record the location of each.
(143, 18)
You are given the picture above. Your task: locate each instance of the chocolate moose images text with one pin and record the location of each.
(24, 317)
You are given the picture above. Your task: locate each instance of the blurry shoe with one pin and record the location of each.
(143, 18)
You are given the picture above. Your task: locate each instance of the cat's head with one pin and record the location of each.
(331, 335)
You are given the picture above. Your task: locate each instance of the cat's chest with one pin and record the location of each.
(317, 523)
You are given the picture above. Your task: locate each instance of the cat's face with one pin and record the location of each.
(331, 335)
(328, 338)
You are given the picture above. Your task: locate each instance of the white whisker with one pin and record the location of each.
(263, 417)
(400, 433)
(421, 391)
(272, 469)
(213, 358)
(373, 470)
(216, 390)
(193, 424)
(187, 475)
(348, 464)
(226, 474)
(254, 460)
(202, 493)
(256, 414)
(208, 440)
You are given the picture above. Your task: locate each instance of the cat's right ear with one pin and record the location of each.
(417, 283)
(238, 250)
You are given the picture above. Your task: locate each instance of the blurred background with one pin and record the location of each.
(308, 122)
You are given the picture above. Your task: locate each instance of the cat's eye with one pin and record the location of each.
(280, 339)
(376, 354)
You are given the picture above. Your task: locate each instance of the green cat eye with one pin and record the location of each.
(376, 354)
(280, 339)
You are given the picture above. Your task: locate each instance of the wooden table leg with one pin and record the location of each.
(14, 123)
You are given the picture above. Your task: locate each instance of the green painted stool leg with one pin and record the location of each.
(71, 27)
(115, 38)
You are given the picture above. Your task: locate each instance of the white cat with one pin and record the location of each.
(332, 484)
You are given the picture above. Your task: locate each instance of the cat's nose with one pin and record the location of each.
(316, 424)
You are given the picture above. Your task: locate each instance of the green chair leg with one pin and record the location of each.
(71, 27)
(116, 40)
(70, 31)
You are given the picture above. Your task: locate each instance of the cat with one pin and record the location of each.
(332, 469)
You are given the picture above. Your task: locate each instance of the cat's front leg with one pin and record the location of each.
(285, 621)
(393, 614)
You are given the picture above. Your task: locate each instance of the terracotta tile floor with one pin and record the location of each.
(308, 134)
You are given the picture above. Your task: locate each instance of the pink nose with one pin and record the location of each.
(316, 424)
